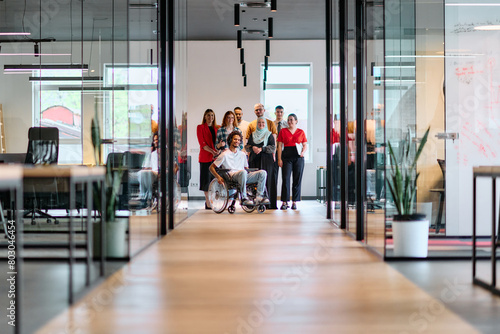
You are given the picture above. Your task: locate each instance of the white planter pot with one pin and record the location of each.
(410, 238)
(116, 239)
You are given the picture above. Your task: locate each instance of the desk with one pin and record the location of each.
(77, 175)
(11, 178)
(492, 172)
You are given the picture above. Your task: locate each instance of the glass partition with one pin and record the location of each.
(182, 164)
(375, 127)
(351, 119)
(89, 61)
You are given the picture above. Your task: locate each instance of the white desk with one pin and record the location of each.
(86, 176)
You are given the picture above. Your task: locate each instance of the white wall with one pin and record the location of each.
(215, 82)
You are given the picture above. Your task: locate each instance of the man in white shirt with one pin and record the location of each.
(280, 122)
(236, 161)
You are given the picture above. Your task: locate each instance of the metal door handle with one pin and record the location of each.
(447, 135)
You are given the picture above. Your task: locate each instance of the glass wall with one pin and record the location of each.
(72, 63)
(374, 123)
(182, 164)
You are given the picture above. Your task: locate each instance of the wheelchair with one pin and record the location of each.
(224, 195)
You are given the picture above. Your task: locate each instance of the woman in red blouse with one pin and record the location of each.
(207, 135)
(292, 144)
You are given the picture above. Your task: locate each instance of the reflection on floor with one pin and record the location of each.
(451, 283)
(277, 272)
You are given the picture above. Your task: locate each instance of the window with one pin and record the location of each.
(56, 107)
(290, 85)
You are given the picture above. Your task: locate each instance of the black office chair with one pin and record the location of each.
(442, 195)
(185, 175)
(43, 149)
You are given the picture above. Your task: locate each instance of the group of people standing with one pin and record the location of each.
(268, 145)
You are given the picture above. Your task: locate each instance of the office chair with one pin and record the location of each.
(43, 149)
(185, 175)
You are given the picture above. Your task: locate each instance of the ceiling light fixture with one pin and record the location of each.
(243, 70)
(34, 55)
(236, 14)
(244, 81)
(238, 41)
(268, 48)
(274, 5)
(15, 33)
(25, 68)
(253, 4)
(270, 27)
(36, 50)
(82, 78)
(488, 27)
(266, 63)
(242, 56)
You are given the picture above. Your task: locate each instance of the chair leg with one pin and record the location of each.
(440, 212)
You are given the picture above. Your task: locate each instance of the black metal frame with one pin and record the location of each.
(360, 124)
(328, 39)
(493, 173)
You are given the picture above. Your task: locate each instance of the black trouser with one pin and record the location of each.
(273, 187)
(295, 165)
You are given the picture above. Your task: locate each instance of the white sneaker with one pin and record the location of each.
(247, 202)
(262, 200)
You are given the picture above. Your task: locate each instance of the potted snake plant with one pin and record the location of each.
(410, 230)
(115, 229)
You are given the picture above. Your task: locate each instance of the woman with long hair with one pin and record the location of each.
(228, 125)
(261, 147)
(207, 136)
(292, 144)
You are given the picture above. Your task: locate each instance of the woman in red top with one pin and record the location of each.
(291, 159)
(207, 134)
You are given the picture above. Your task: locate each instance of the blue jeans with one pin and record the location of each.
(243, 177)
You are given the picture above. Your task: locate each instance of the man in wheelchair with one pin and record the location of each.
(236, 162)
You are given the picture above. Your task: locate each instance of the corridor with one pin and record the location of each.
(277, 272)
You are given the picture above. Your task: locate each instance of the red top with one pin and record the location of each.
(205, 138)
(289, 139)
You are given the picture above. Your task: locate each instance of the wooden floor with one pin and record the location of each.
(277, 272)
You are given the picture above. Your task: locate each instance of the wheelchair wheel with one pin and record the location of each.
(261, 208)
(231, 209)
(218, 196)
(248, 208)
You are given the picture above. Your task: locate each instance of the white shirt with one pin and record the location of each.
(284, 124)
(232, 161)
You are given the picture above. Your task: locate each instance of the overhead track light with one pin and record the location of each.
(243, 69)
(263, 85)
(82, 78)
(17, 68)
(143, 6)
(274, 5)
(236, 14)
(242, 56)
(266, 63)
(36, 50)
(270, 27)
(15, 33)
(238, 44)
(244, 81)
(265, 75)
(253, 4)
(268, 48)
